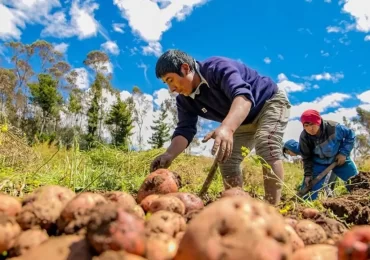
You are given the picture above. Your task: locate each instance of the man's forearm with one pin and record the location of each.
(177, 146)
(239, 110)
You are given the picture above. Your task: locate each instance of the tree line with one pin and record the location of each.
(40, 94)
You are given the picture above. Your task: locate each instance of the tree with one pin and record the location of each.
(142, 106)
(363, 139)
(7, 87)
(161, 129)
(120, 118)
(45, 95)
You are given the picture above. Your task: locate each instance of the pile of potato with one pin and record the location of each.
(161, 223)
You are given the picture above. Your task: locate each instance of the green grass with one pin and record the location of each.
(105, 168)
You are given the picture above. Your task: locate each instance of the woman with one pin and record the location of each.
(291, 147)
(323, 142)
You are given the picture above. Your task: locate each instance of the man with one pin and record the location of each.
(321, 143)
(252, 111)
(291, 147)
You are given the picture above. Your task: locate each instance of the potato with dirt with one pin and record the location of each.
(310, 232)
(334, 229)
(65, 247)
(43, 207)
(117, 255)
(354, 245)
(169, 203)
(148, 200)
(9, 205)
(310, 213)
(166, 222)
(161, 246)
(235, 191)
(123, 199)
(191, 201)
(9, 231)
(297, 242)
(161, 181)
(76, 214)
(113, 228)
(235, 228)
(27, 240)
(316, 252)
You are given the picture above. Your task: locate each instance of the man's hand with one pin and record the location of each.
(223, 142)
(307, 180)
(341, 159)
(162, 161)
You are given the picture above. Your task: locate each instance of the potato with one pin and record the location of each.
(236, 228)
(161, 181)
(191, 201)
(316, 252)
(9, 205)
(138, 211)
(297, 242)
(191, 214)
(333, 228)
(166, 222)
(123, 199)
(310, 232)
(27, 240)
(9, 230)
(113, 228)
(354, 241)
(76, 214)
(310, 213)
(43, 207)
(235, 191)
(291, 221)
(168, 203)
(161, 246)
(117, 255)
(66, 247)
(147, 201)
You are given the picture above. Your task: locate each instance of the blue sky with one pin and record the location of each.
(317, 50)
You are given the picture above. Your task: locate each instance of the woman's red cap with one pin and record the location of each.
(311, 116)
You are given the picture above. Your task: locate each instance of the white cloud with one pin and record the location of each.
(145, 68)
(287, 85)
(118, 27)
(360, 10)
(281, 57)
(16, 14)
(323, 53)
(61, 47)
(320, 104)
(82, 78)
(11, 21)
(110, 46)
(149, 20)
(365, 97)
(316, 86)
(160, 96)
(267, 60)
(334, 77)
(82, 24)
(327, 1)
(333, 29)
(154, 48)
(367, 38)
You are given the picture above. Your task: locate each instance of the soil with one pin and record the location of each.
(354, 208)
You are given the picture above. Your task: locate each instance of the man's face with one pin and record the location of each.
(180, 84)
(311, 129)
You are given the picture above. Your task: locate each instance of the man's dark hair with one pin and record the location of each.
(171, 61)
